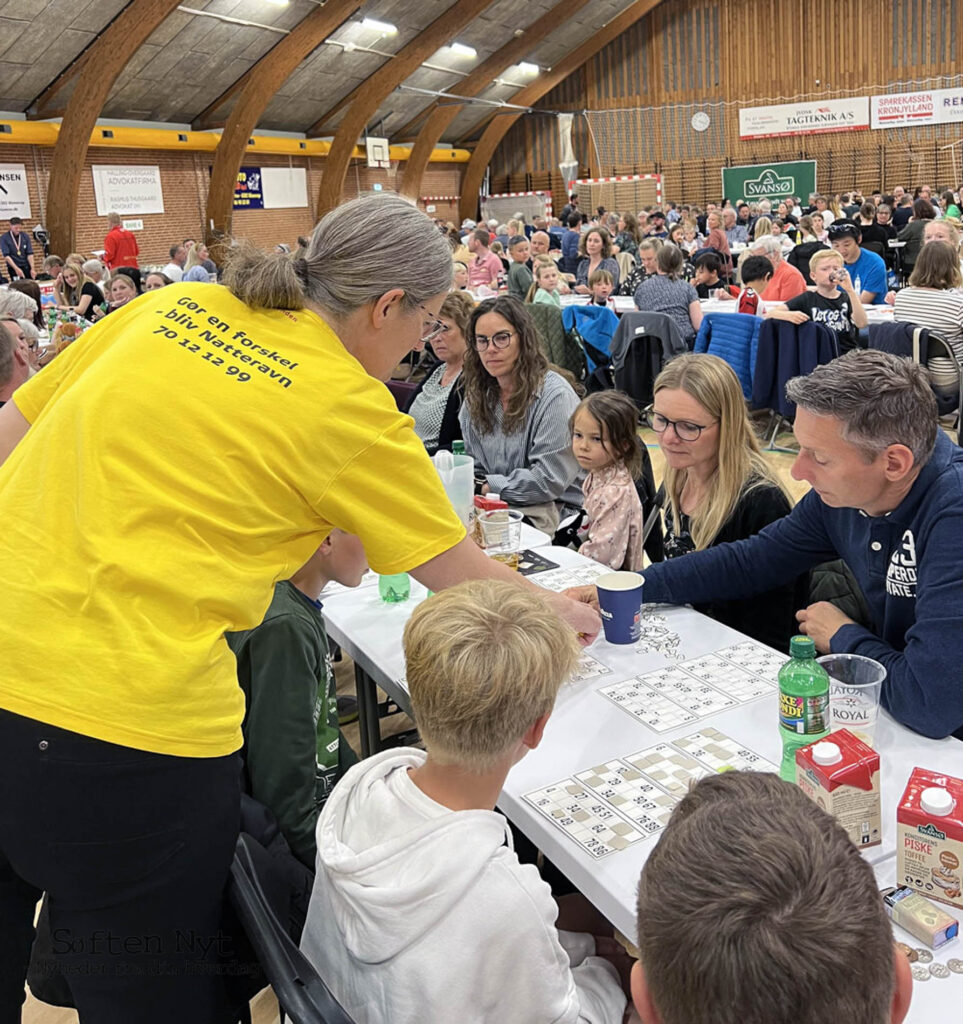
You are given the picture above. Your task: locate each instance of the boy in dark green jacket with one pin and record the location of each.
(293, 750)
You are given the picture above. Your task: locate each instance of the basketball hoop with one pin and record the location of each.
(378, 152)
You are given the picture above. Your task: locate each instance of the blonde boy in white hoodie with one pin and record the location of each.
(421, 911)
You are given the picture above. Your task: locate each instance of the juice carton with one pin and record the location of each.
(841, 773)
(929, 836)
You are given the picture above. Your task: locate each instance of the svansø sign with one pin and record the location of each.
(774, 181)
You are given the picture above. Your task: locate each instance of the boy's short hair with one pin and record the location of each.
(516, 240)
(710, 261)
(485, 659)
(822, 255)
(600, 277)
(755, 268)
(769, 899)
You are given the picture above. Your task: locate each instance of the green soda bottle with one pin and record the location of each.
(394, 588)
(803, 702)
(457, 447)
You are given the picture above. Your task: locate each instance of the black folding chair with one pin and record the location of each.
(302, 994)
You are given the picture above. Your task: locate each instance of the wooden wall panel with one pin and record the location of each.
(689, 55)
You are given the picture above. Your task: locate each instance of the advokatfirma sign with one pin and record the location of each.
(769, 181)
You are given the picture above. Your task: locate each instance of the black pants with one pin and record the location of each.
(134, 850)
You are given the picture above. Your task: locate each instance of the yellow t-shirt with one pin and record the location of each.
(184, 455)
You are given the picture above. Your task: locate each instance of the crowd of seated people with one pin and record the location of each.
(483, 697)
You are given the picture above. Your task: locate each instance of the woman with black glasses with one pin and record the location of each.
(515, 415)
(718, 486)
(437, 402)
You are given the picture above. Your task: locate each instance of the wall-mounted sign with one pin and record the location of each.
(769, 181)
(284, 188)
(133, 225)
(134, 190)
(271, 188)
(906, 109)
(804, 118)
(248, 194)
(14, 197)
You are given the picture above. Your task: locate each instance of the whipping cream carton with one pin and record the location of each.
(929, 836)
(841, 773)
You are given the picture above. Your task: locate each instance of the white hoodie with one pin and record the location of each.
(424, 914)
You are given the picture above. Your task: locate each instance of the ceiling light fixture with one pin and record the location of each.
(379, 26)
(278, 3)
(528, 69)
(464, 51)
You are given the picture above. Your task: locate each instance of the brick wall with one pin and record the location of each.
(185, 178)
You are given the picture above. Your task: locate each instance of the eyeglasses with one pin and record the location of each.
(837, 231)
(433, 327)
(500, 340)
(685, 430)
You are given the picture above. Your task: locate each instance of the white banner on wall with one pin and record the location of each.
(284, 188)
(804, 118)
(130, 190)
(14, 197)
(904, 109)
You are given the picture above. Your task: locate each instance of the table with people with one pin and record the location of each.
(186, 542)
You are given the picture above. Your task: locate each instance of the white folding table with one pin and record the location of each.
(587, 729)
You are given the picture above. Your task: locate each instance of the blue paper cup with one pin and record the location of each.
(620, 602)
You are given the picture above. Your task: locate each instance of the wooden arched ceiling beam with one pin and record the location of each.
(104, 62)
(374, 89)
(495, 132)
(261, 83)
(439, 118)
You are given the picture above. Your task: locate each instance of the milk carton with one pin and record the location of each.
(929, 836)
(841, 773)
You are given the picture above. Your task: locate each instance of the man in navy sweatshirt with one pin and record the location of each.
(887, 496)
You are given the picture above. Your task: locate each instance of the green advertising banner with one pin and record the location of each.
(769, 181)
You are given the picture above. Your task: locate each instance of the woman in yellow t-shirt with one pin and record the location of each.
(157, 479)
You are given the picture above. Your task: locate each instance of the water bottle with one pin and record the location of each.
(803, 702)
(394, 588)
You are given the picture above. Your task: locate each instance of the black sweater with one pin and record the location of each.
(769, 617)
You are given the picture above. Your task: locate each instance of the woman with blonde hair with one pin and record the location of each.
(76, 293)
(718, 485)
(763, 227)
(194, 268)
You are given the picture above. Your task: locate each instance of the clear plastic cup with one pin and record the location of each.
(855, 684)
(501, 533)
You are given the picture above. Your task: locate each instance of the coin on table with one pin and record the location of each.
(955, 965)
(939, 970)
(923, 955)
(920, 973)
(908, 952)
